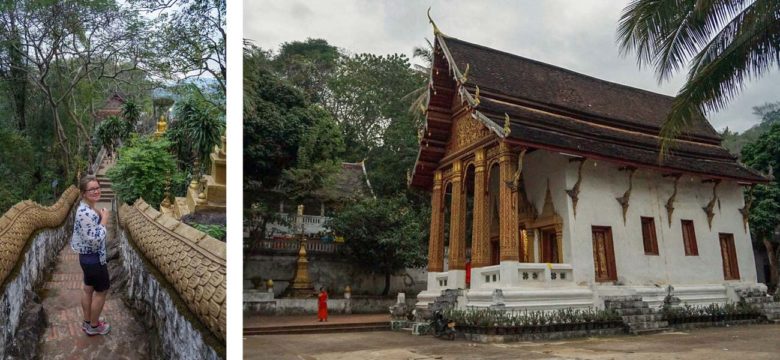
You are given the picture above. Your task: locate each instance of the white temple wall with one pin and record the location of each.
(602, 183)
(540, 167)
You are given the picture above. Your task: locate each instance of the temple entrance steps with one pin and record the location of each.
(768, 307)
(308, 324)
(319, 328)
(637, 315)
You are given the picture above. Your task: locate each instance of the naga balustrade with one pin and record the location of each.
(192, 262)
(31, 235)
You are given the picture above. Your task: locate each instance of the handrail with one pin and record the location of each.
(98, 160)
(21, 221)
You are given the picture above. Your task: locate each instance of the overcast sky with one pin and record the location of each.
(575, 34)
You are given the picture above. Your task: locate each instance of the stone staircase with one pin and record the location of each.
(106, 192)
(638, 317)
(768, 307)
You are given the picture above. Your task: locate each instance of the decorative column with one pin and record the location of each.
(530, 250)
(480, 246)
(457, 259)
(436, 242)
(507, 205)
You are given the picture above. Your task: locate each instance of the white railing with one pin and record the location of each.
(534, 275)
(312, 224)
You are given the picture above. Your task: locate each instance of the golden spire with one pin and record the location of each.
(436, 30)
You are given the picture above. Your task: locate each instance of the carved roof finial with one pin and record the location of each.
(507, 129)
(465, 76)
(436, 30)
(476, 96)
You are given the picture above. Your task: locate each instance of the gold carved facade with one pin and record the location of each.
(520, 224)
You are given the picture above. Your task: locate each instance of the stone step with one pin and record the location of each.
(641, 318)
(634, 311)
(633, 304)
(649, 331)
(648, 325)
(318, 328)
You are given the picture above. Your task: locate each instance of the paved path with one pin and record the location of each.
(736, 342)
(64, 338)
(293, 320)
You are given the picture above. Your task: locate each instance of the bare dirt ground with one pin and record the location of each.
(736, 342)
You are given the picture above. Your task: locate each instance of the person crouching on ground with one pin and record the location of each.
(89, 241)
(322, 305)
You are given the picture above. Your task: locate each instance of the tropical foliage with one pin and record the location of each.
(764, 154)
(723, 44)
(383, 236)
(61, 60)
(145, 169)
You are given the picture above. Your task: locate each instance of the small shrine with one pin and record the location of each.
(204, 195)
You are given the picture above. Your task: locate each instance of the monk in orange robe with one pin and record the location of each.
(322, 305)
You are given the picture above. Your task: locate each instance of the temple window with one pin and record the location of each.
(648, 236)
(689, 238)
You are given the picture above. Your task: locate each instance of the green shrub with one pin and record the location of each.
(216, 231)
(142, 170)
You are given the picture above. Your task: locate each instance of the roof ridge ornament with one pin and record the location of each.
(476, 97)
(507, 129)
(436, 30)
(465, 76)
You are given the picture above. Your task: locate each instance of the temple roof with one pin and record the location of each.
(560, 110)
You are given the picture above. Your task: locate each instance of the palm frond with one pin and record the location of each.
(666, 33)
(746, 48)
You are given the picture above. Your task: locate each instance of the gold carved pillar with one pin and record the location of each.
(507, 205)
(457, 219)
(436, 242)
(530, 254)
(480, 240)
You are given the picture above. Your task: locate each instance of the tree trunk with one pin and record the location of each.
(770, 253)
(387, 284)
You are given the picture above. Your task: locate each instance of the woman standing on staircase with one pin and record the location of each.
(89, 240)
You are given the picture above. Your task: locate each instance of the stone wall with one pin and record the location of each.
(191, 263)
(354, 305)
(31, 235)
(331, 272)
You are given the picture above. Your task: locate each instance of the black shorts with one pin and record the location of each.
(95, 274)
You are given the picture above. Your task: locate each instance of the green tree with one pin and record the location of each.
(197, 129)
(189, 37)
(764, 153)
(144, 167)
(382, 236)
(723, 42)
(111, 131)
(131, 112)
(16, 174)
(367, 95)
(307, 65)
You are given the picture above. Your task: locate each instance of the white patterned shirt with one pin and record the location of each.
(89, 235)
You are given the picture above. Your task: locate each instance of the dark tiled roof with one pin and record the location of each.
(561, 110)
(548, 85)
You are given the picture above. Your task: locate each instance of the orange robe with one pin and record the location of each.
(322, 306)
